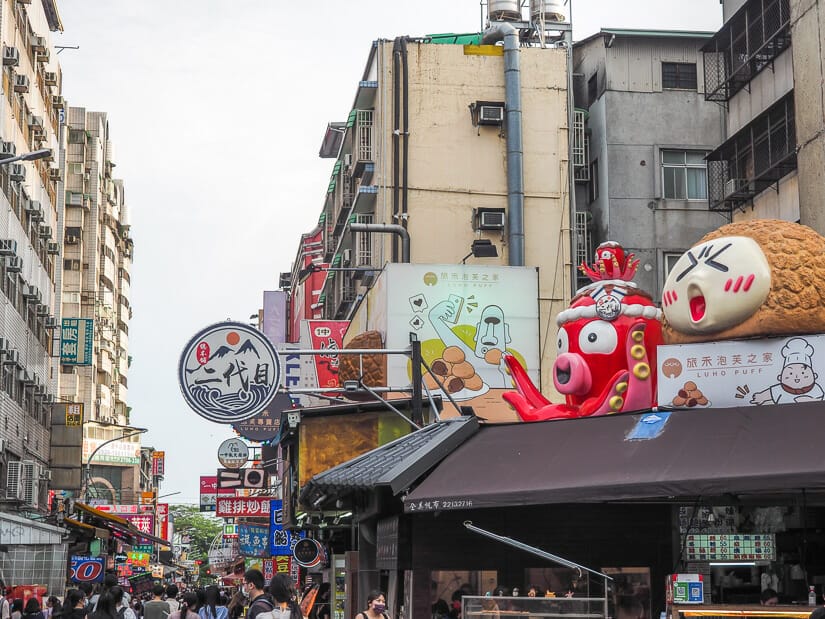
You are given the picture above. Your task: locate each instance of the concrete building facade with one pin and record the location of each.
(646, 129)
(97, 262)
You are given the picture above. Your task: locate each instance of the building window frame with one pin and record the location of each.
(684, 174)
(679, 76)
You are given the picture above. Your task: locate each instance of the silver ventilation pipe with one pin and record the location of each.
(512, 125)
(387, 229)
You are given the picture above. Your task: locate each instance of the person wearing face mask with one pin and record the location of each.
(253, 589)
(376, 607)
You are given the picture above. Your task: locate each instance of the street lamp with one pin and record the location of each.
(88, 468)
(32, 156)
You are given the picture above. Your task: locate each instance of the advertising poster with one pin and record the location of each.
(466, 317)
(87, 569)
(274, 316)
(253, 540)
(742, 373)
(116, 452)
(76, 339)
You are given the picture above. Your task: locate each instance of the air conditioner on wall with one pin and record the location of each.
(14, 487)
(11, 357)
(8, 247)
(491, 220)
(14, 264)
(735, 184)
(17, 172)
(490, 114)
(21, 83)
(53, 248)
(11, 56)
(7, 149)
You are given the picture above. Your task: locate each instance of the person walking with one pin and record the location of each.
(74, 605)
(188, 608)
(122, 607)
(212, 607)
(376, 607)
(5, 607)
(157, 607)
(105, 608)
(17, 609)
(172, 597)
(33, 610)
(283, 594)
(253, 588)
(235, 605)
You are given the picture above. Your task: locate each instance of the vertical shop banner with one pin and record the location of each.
(76, 339)
(281, 541)
(274, 319)
(253, 540)
(162, 514)
(209, 492)
(74, 414)
(466, 317)
(158, 463)
(145, 523)
(268, 568)
(327, 335)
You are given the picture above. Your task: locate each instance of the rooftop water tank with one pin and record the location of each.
(553, 11)
(504, 10)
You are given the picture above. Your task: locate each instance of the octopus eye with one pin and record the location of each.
(598, 336)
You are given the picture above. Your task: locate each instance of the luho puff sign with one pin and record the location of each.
(759, 279)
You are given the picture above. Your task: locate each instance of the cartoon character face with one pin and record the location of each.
(716, 285)
(797, 376)
(491, 331)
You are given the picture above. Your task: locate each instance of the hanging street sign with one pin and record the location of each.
(229, 372)
(233, 453)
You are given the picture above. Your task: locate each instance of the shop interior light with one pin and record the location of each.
(732, 563)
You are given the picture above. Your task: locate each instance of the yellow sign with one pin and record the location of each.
(147, 497)
(74, 414)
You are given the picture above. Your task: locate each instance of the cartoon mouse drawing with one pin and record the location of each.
(797, 382)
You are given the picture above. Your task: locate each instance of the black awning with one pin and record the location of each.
(395, 465)
(711, 453)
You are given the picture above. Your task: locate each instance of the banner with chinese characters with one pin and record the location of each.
(242, 507)
(466, 317)
(158, 463)
(74, 414)
(145, 523)
(742, 372)
(209, 492)
(281, 541)
(124, 451)
(76, 339)
(326, 335)
(140, 559)
(253, 540)
(736, 547)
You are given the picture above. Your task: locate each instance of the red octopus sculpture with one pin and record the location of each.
(607, 342)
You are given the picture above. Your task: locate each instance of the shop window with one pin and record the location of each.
(684, 175)
(669, 260)
(679, 75)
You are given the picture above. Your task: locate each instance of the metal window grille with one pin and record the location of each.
(584, 240)
(680, 75)
(582, 174)
(363, 242)
(364, 124)
(579, 152)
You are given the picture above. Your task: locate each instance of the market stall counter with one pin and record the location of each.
(741, 611)
(497, 607)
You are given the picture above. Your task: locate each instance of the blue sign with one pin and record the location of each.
(76, 339)
(229, 372)
(87, 569)
(281, 542)
(253, 540)
(649, 426)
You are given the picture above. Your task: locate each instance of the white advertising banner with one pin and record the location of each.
(466, 317)
(742, 372)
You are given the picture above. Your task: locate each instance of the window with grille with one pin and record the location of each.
(684, 175)
(681, 75)
(363, 243)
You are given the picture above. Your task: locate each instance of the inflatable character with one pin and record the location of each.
(745, 280)
(607, 342)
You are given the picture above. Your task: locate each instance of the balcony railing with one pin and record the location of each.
(755, 158)
(747, 43)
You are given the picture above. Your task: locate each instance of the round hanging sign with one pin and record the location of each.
(229, 372)
(307, 552)
(233, 453)
(266, 425)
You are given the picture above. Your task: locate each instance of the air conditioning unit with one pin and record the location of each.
(58, 102)
(8, 247)
(14, 264)
(38, 44)
(24, 377)
(55, 174)
(490, 114)
(347, 160)
(53, 248)
(11, 56)
(14, 473)
(735, 184)
(43, 57)
(30, 482)
(346, 257)
(50, 78)
(490, 219)
(21, 83)
(44, 232)
(7, 149)
(50, 322)
(11, 357)
(45, 474)
(35, 122)
(17, 172)
(31, 293)
(43, 310)
(74, 199)
(71, 239)
(34, 210)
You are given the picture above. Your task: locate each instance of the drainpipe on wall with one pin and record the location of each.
(387, 229)
(512, 124)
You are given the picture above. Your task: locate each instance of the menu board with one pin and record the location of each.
(735, 547)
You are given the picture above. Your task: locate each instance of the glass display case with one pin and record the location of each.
(492, 607)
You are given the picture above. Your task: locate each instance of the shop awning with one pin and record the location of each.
(395, 465)
(117, 524)
(725, 453)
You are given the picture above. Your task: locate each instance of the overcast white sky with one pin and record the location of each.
(217, 109)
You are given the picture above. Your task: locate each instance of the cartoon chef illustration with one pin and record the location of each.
(797, 382)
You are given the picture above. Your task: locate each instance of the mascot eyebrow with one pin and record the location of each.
(710, 260)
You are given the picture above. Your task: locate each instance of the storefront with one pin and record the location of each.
(638, 496)
(36, 553)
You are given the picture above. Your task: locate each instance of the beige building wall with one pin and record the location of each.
(455, 167)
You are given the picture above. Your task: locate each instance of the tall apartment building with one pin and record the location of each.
(764, 65)
(97, 259)
(30, 117)
(643, 129)
(424, 153)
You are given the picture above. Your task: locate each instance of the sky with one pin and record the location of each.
(216, 111)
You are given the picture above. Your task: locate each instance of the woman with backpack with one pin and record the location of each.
(283, 594)
(122, 608)
(188, 608)
(33, 610)
(376, 607)
(212, 607)
(106, 607)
